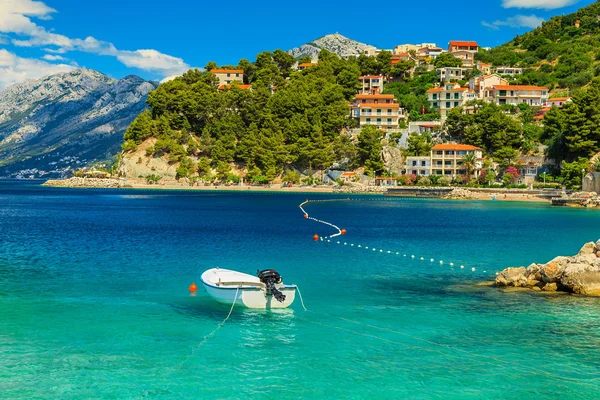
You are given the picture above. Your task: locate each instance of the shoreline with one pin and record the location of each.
(277, 188)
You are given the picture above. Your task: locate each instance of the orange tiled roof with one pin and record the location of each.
(371, 77)
(374, 96)
(348, 174)
(519, 87)
(463, 44)
(306, 64)
(244, 87)
(227, 71)
(559, 99)
(435, 89)
(454, 147)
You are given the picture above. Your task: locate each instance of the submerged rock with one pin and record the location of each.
(579, 274)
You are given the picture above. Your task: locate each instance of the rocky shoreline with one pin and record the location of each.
(76, 182)
(578, 274)
(578, 199)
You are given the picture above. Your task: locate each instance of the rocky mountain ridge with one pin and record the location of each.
(335, 43)
(53, 125)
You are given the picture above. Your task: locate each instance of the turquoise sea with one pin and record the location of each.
(94, 300)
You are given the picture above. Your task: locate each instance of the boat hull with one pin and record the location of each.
(227, 287)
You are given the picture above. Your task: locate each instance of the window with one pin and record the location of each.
(439, 163)
(447, 172)
(439, 152)
(237, 75)
(414, 163)
(434, 96)
(447, 96)
(379, 111)
(438, 172)
(389, 121)
(456, 104)
(450, 153)
(456, 95)
(448, 105)
(228, 82)
(368, 120)
(423, 163)
(228, 75)
(378, 121)
(423, 172)
(462, 153)
(448, 163)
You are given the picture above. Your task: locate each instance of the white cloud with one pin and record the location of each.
(14, 69)
(15, 18)
(543, 4)
(50, 57)
(518, 21)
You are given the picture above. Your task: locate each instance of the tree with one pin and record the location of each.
(223, 169)
(512, 173)
(469, 164)
(186, 166)
(370, 148)
(304, 59)
(506, 156)
(419, 144)
(573, 172)
(203, 167)
(447, 60)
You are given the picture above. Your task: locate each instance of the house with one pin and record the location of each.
(516, 94)
(228, 76)
(458, 45)
(558, 101)
(347, 177)
(466, 57)
(385, 181)
(480, 83)
(421, 127)
(405, 48)
(529, 168)
(381, 110)
(429, 52)
(485, 69)
(402, 56)
(371, 84)
(509, 71)
(448, 159)
(451, 95)
(303, 66)
(448, 74)
(419, 166)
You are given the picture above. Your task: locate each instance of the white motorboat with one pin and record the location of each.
(263, 291)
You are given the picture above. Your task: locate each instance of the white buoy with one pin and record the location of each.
(441, 262)
(345, 244)
(352, 245)
(497, 273)
(374, 249)
(412, 256)
(389, 252)
(367, 247)
(452, 264)
(432, 260)
(422, 258)
(404, 255)
(473, 269)
(462, 267)
(381, 251)
(484, 272)
(338, 242)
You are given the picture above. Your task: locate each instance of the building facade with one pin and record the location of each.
(509, 71)
(419, 166)
(481, 83)
(228, 76)
(458, 45)
(380, 110)
(448, 74)
(448, 160)
(451, 95)
(516, 94)
(466, 57)
(371, 84)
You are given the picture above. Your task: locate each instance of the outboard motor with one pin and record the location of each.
(270, 278)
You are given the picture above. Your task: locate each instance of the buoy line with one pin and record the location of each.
(327, 239)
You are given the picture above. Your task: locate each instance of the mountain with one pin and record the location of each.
(58, 123)
(561, 53)
(335, 43)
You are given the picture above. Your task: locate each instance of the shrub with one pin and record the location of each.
(291, 176)
(153, 179)
(425, 181)
(444, 181)
(129, 145)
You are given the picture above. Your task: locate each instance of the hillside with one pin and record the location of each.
(335, 43)
(563, 52)
(58, 123)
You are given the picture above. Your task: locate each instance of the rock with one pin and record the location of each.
(582, 278)
(586, 259)
(86, 183)
(516, 277)
(588, 248)
(392, 159)
(550, 287)
(598, 254)
(534, 272)
(551, 272)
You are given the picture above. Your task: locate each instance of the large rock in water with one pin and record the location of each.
(579, 274)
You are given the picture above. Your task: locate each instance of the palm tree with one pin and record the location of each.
(469, 164)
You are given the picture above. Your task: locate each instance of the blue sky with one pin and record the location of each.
(157, 39)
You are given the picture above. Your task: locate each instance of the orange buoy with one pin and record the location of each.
(316, 237)
(193, 287)
(343, 231)
(305, 215)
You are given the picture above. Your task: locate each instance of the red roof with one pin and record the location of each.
(454, 147)
(244, 87)
(371, 77)
(519, 87)
(227, 71)
(559, 99)
(435, 89)
(374, 96)
(459, 43)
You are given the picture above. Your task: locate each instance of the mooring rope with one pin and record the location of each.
(301, 300)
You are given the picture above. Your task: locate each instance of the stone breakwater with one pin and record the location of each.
(579, 274)
(578, 199)
(358, 189)
(86, 183)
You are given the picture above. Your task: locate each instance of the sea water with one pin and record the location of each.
(94, 300)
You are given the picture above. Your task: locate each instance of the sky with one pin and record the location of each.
(160, 39)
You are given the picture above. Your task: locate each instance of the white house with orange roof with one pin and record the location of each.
(371, 84)
(449, 96)
(511, 71)
(448, 159)
(466, 57)
(516, 94)
(380, 110)
(480, 83)
(462, 45)
(228, 76)
(484, 68)
(558, 101)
